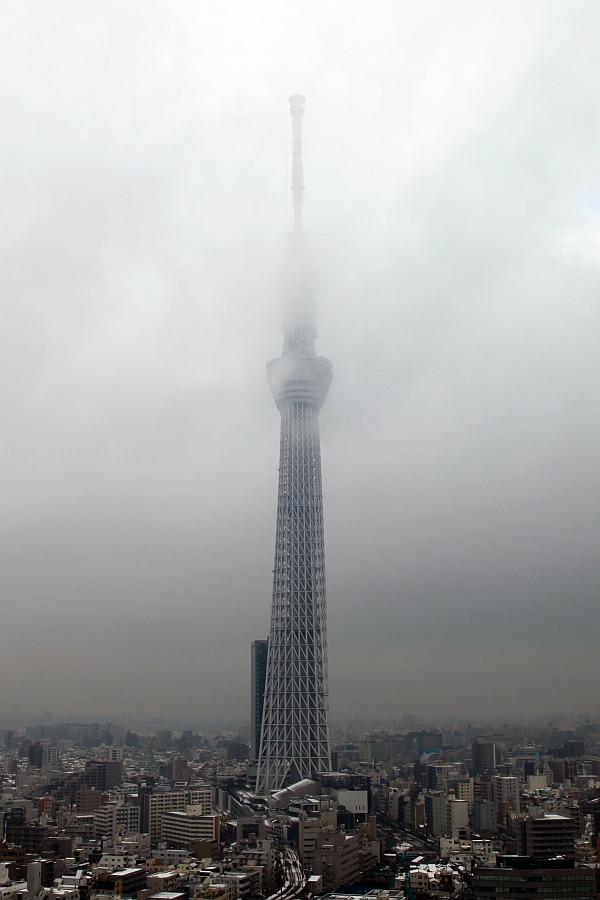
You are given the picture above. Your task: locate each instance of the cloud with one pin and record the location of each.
(451, 171)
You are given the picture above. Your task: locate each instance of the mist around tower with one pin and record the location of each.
(450, 180)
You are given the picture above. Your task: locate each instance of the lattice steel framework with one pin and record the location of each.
(295, 726)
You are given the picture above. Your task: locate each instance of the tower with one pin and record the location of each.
(295, 724)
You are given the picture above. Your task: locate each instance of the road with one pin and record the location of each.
(294, 879)
(416, 840)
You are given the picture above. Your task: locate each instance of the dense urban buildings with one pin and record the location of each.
(157, 813)
(295, 724)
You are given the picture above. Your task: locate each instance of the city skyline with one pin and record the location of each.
(454, 221)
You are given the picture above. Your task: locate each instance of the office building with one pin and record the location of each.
(185, 828)
(548, 834)
(484, 756)
(154, 804)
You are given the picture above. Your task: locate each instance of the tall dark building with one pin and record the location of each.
(258, 677)
(547, 835)
(484, 756)
(103, 775)
(295, 726)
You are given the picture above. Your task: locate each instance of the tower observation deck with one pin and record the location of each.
(295, 725)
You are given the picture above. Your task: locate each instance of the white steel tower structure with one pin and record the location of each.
(295, 724)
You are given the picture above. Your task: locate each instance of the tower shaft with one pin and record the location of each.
(295, 724)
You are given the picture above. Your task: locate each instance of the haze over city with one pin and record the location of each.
(453, 205)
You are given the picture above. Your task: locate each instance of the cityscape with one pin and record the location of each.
(190, 709)
(142, 811)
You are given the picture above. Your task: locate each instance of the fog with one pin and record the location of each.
(452, 173)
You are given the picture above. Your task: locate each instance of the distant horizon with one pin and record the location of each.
(234, 724)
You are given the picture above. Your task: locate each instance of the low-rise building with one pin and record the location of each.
(337, 859)
(161, 882)
(532, 879)
(188, 826)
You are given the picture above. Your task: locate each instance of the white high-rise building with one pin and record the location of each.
(505, 789)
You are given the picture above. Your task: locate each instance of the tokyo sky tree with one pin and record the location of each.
(295, 726)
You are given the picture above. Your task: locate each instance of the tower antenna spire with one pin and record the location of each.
(294, 737)
(297, 112)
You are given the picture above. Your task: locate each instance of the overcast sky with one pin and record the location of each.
(452, 168)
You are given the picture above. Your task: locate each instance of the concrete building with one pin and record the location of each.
(115, 754)
(435, 813)
(436, 775)
(309, 830)
(160, 882)
(127, 882)
(505, 792)
(50, 756)
(245, 884)
(464, 789)
(529, 879)
(537, 783)
(266, 857)
(356, 802)
(484, 756)
(154, 804)
(169, 895)
(102, 775)
(457, 817)
(87, 800)
(36, 755)
(187, 827)
(485, 816)
(213, 890)
(548, 835)
(337, 859)
(113, 819)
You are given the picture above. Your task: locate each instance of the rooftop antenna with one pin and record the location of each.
(297, 112)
